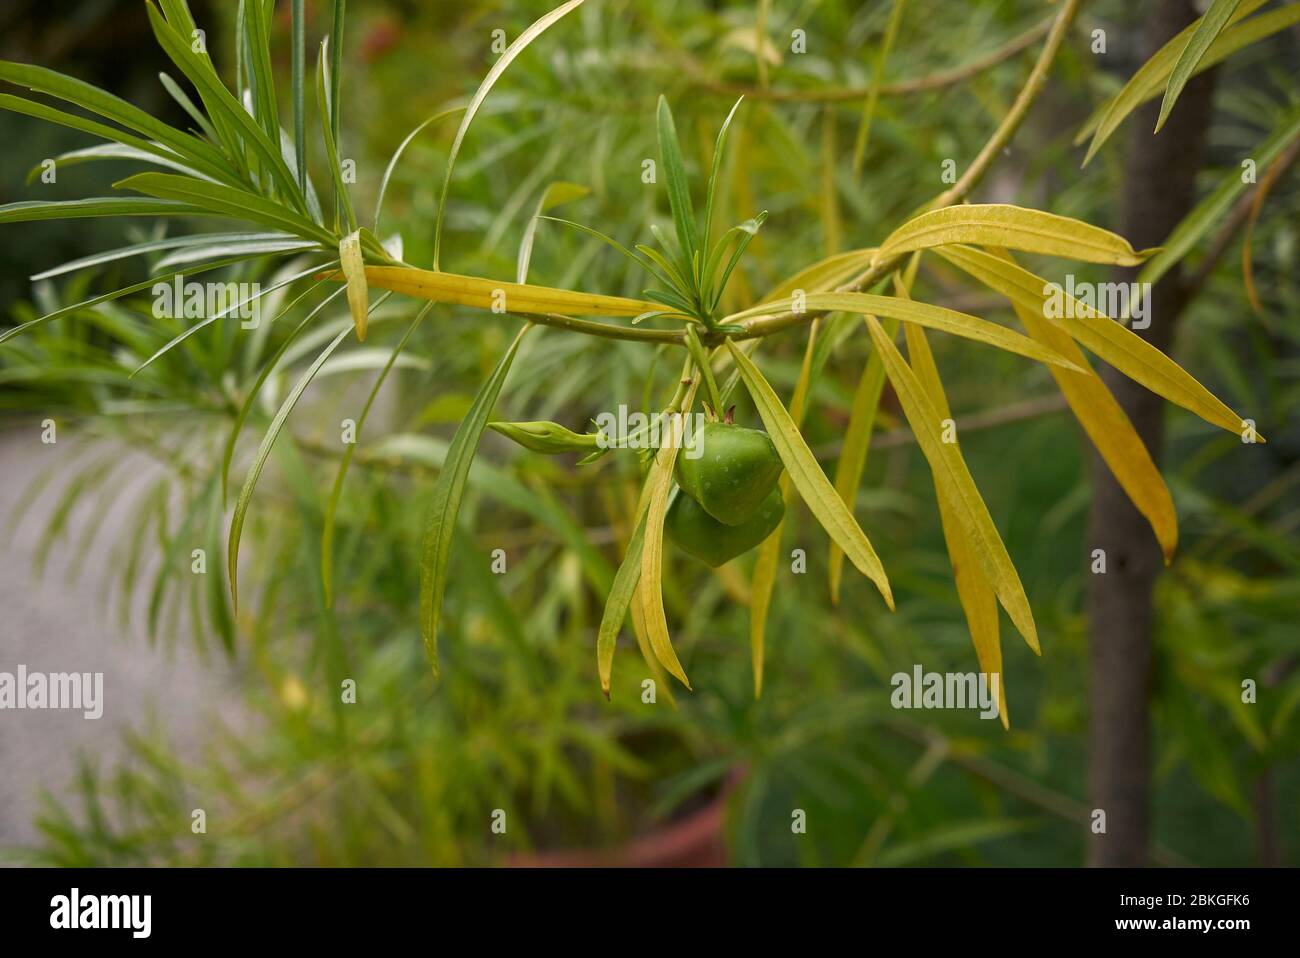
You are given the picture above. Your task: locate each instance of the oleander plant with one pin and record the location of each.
(760, 362)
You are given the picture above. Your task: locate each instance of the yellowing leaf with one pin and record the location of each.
(955, 482)
(824, 274)
(853, 454)
(650, 586)
(936, 317)
(978, 600)
(493, 293)
(760, 593)
(807, 476)
(354, 269)
(619, 600)
(1110, 430)
(1012, 227)
(1116, 344)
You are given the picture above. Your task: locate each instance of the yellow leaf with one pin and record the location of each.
(499, 294)
(978, 600)
(824, 274)
(1110, 430)
(807, 476)
(935, 317)
(955, 482)
(862, 420)
(760, 593)
(650, 586)
(1108, 340)
(354, 270)
(1012, 227)
(853, 454)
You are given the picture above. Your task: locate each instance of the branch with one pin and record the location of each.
(934, 81)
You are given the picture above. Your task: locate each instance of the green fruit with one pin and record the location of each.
(735, 472)
(698, 533)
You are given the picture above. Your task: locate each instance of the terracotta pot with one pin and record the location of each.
(695, 841)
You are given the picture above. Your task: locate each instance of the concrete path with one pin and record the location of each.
(50, 624)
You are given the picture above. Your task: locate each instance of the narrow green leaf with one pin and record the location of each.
(336, 66)
(1147, 83)
(1210, 212)
(221, 103)
(336, 491)
(610, 241)
(556, 194)
(679, 192)
(194, 150)
(111, 151)
(869, 106)
(142, 148)
(342, 198)
(244, 249)
(166, 243)
(27, 211)
(397, 155)
(216, 199)
(1207, 30)
(259, 44)
(447, 495)
(185, 103)
(511, 52)
(209, 320)
(94, 301)
(746, 232)
(707, 237)
(250, 398)
(298, 81)
(259, 461)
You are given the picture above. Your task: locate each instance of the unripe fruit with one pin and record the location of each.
(696, 532)
(734, 474)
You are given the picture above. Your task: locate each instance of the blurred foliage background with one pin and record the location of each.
(412, 772)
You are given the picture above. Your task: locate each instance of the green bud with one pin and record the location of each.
(547, 437)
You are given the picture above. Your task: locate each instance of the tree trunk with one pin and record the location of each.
(1159, 183)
